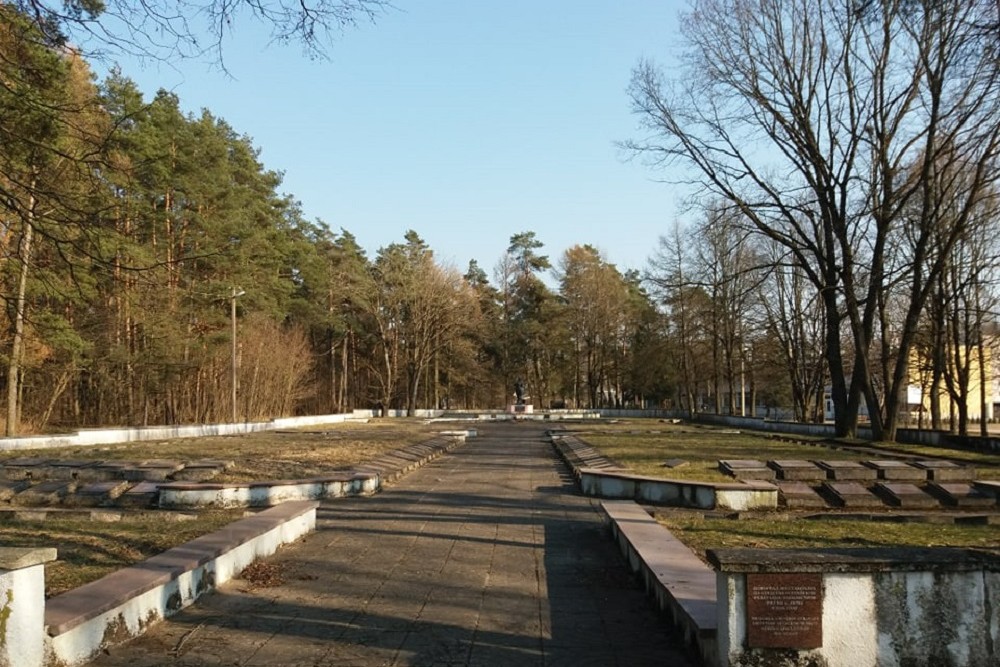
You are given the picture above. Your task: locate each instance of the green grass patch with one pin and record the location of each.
(701, 534)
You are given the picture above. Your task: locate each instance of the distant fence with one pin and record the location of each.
(910, 436)
(109, 436)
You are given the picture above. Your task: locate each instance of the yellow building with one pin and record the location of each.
(920, 378)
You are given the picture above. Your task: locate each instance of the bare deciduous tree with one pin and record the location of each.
(821, 121)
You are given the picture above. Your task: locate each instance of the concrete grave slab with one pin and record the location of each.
(845, 471)
(143, 494)
(46, 493)
(746, 469)
(905, 495)
(199, 471)
(156, 471)
(989, 487)
(9, 488)
(946, 471)
(799, 470)
(896, 470)
(799, 495)
(67, 468)
(109, 470)
(852, 494)
(97, 493)
(24, 468)
(960, 494)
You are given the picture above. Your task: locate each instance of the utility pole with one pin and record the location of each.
(232, 311)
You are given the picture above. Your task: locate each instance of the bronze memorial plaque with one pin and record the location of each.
(785, 611)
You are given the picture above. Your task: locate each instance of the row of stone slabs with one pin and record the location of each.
(39, 481)
(922, 484)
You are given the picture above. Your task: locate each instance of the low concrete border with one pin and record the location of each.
(366, 479)
(85, 620)
(108, 436)
(682, 585)
(608, 481)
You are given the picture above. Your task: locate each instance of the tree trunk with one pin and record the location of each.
(14, 367)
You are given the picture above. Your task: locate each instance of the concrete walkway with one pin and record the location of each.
(486, 556)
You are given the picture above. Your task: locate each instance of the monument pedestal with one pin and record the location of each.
(522, 409)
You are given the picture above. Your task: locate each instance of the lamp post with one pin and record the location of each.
(232, 311)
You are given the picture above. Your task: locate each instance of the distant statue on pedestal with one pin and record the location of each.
(519, 391)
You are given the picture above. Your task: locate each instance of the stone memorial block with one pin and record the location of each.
(852, 495)
(69, 468)
(8, 488)
(847, 471)
(45, 493)
(784, 611)
(799, 495)
(109, 470)
(897, 470)
(959, 494)
(199, 471)
(903, 494)
(97, 493)
(152, 471)
(947, 471)
(746, 469)
(143, 494)
(805, 471)
(24, 468)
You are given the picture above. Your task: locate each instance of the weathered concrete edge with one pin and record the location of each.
(365, 479)
(83, 621)
(610, 484)
(681, 584)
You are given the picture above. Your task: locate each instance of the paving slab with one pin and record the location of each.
(891, 469)
(797, 470)
(846, 471)
(906, 495)
(485, 556)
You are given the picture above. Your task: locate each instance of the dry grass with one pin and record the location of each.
(88, 550)
(292, 454)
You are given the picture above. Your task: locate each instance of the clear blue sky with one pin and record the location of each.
(465, 120)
